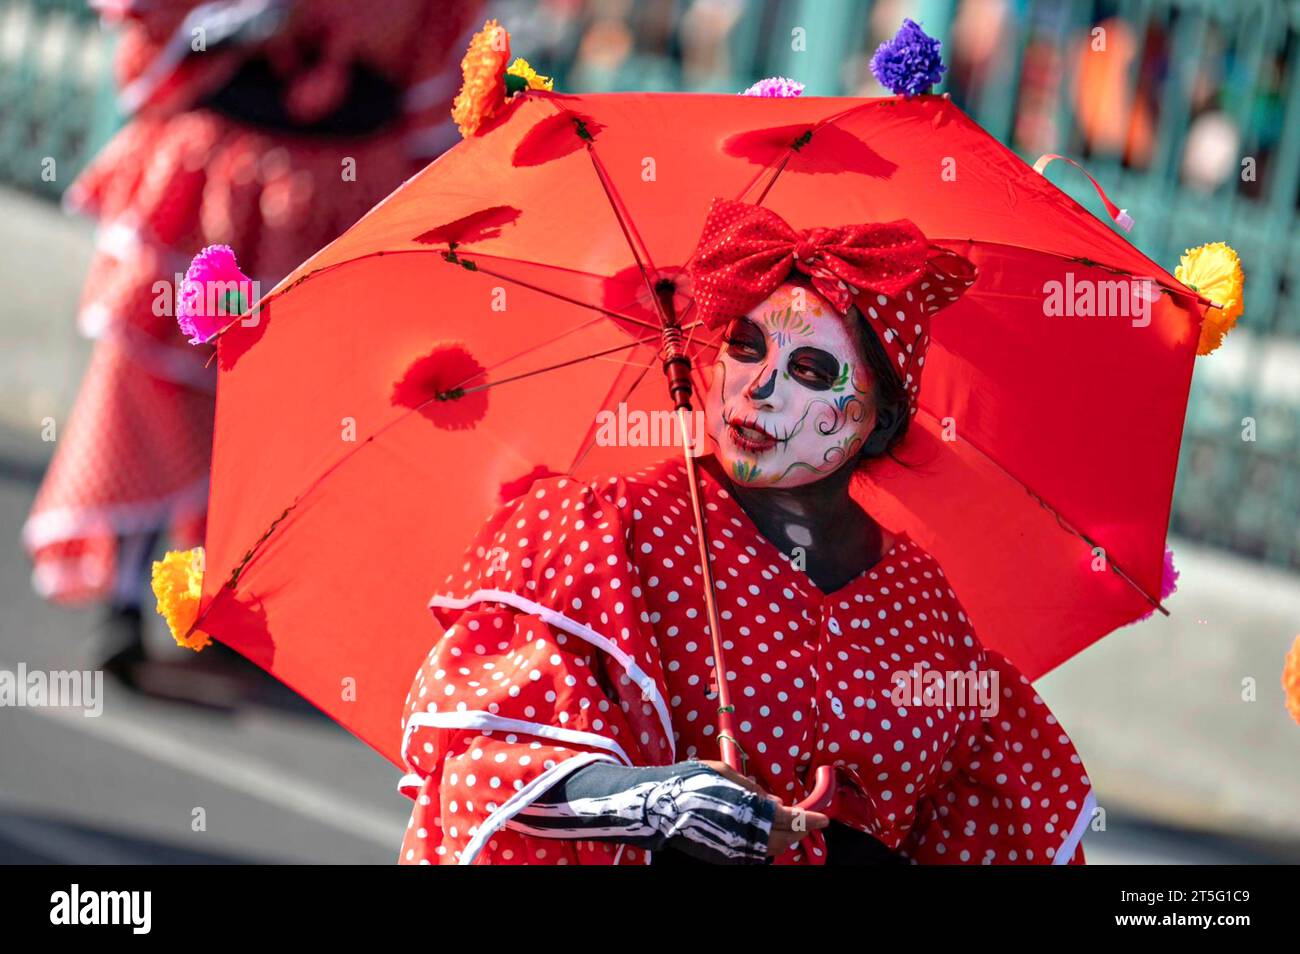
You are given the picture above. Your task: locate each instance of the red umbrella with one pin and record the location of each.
(460, 340)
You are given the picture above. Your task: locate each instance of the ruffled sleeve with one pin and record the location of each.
(1016, 791)
(547, 663)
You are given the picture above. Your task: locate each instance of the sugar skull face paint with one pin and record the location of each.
(791, 397)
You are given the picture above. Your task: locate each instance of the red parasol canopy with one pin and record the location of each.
(520, 267)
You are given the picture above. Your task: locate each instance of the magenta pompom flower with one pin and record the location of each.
(1168, 581)
(213, 291)
(778, 86)
(909, 63)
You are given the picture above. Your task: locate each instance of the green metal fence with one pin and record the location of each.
(1188, 113)
(55, 95)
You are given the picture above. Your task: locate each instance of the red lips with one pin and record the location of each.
(749, 436)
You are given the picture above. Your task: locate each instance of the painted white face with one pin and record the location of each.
(791, 397)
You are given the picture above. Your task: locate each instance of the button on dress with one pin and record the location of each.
(575, 631)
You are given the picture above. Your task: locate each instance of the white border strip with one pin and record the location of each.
(1066, 851)
(522, 799)
(48, 527)
(573, 628)
(408, 782)
(478, 719)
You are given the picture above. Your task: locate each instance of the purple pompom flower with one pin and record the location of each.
(909, 63)
(214, 291)
(777, 86)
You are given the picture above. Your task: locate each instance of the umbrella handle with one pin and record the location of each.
(823, 793)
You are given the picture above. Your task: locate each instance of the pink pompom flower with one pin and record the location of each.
(1168, 581)
(775, 86)
(213, 291)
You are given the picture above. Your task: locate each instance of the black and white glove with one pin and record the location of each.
(685, 806)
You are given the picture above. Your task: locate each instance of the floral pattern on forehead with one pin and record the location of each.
(789, 311)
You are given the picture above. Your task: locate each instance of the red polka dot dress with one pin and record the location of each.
(575, 632)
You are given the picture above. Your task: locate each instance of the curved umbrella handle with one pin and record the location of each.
(823, 793)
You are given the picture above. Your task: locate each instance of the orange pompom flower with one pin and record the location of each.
(1214, 270)
(1291, 680)
(178, 585)
(487, 83)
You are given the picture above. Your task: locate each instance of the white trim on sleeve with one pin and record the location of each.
(583, 632)
(522, 799)
(1066, 851)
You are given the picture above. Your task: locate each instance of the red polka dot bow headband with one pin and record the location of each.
(889, 270)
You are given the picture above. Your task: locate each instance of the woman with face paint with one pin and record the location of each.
(568, 713)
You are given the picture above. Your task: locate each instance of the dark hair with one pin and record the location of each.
(890, 397)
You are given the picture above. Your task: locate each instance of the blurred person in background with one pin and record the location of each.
(1118, 110)
(266, 125)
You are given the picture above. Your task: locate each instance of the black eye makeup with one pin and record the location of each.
(745, 341)
(814, 368)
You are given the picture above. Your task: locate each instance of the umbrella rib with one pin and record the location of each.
(587, 445)
(776, 174)
(625, 222)
(1182, 290)
(550, 367)
(782, 162)
(442, 253)
(586, 449)
(624, 226)
(792, 149)
(604, 312)
(1061, 521)
(252, 551)
(616, 206)
(630, 231)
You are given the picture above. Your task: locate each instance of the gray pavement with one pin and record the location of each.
(276, 782)
(1186, 770)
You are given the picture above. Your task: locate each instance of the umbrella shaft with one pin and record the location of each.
(731, 753)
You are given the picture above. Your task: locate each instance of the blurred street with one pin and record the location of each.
(1185, 777)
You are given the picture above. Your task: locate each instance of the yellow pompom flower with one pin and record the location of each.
(532, 79)
(178, 585)
(1291, 680)
(1214, 270)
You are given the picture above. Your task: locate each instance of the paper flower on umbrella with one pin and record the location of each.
(1291, 680)
(1214, 270)
(1168, 581)
(909, 63)
(775, 86)
(487, 82)
(178, 585)
(213, 292)
(445, 386)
